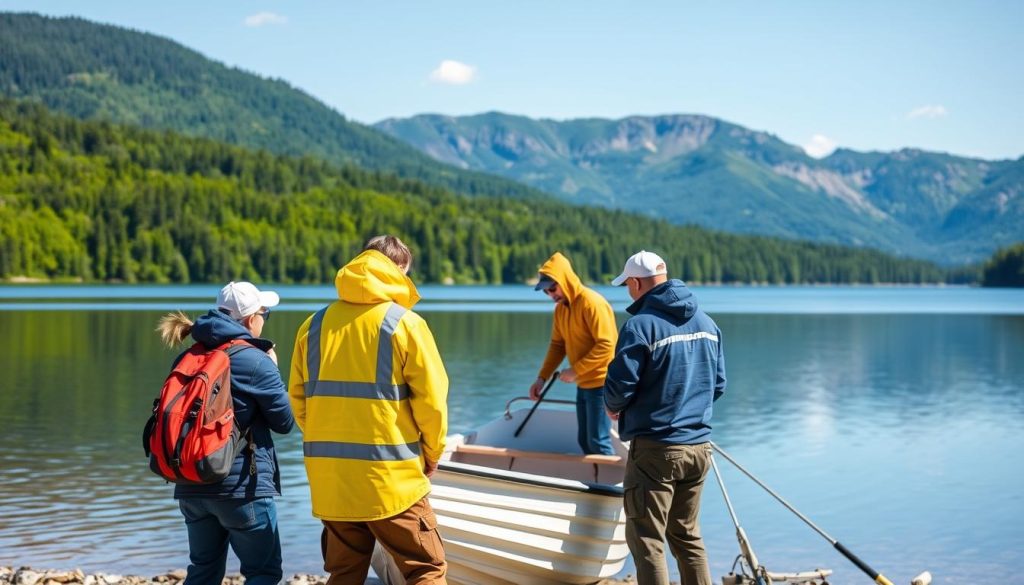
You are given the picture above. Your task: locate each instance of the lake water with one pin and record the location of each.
(893, 417)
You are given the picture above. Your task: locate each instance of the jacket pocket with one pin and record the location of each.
(655, 467)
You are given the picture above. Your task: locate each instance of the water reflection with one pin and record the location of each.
(900, 434)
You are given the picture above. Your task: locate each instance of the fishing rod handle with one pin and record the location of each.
(875, 575)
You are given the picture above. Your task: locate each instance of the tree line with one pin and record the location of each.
(1005, 268)
(98, 201)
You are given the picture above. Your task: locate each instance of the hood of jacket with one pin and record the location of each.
(671, 297)
(372, 278)
(217, 328)
(560, 270)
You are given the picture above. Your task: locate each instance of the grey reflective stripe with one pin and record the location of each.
(385, 350)
(357, 390)
(382, 389)
(683, 337)
(337, 450)
(313, 347)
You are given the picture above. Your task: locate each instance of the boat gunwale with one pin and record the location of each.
(597, 489)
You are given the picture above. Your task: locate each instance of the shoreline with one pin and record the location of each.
(24, 575)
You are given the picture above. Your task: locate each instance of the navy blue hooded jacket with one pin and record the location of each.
(261, 405)
(668, 368)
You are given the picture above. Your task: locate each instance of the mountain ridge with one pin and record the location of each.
(693, 168)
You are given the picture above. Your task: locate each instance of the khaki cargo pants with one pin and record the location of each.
(662, 499)
(410, 537)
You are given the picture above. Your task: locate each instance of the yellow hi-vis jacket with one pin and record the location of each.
(369, 392)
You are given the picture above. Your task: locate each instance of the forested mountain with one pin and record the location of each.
(98, 201)
(97, 71)
(705, 171)
(686, 169)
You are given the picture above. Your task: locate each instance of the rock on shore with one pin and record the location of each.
(30, 576)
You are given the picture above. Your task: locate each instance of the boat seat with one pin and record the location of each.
(598, 468)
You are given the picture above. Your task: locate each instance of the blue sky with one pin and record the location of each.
(866, 75)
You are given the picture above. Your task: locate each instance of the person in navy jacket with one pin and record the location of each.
(238, 511)
(668, 369)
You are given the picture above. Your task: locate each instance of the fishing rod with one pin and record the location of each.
(745, 549)
(875, 575)
(540, 398)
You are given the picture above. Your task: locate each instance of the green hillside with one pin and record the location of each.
(96, 71)
(97, 201)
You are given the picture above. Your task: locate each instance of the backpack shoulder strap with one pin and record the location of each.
(235, 346)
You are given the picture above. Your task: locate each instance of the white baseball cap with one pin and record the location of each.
(641, 265)
(241, 299)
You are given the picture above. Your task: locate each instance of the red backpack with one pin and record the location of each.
(193, 436)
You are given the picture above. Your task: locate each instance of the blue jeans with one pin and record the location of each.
(594, 434)
(249, 526)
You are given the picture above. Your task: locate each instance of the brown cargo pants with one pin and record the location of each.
(662, 499)
(410, 537)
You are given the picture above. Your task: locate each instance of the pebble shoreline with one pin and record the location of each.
(31, 576)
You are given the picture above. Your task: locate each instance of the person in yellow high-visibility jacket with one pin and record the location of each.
(369, 391)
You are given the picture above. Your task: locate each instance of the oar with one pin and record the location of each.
(536, 404)
(875, 575)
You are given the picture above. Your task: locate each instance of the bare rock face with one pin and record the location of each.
(658, 138)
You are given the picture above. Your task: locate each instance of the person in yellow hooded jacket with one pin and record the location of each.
(369, 391)
(584, 331)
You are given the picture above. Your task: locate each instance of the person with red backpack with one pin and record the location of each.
(239, 509)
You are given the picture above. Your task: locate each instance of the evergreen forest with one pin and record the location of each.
(1005, 268)
(97, 201)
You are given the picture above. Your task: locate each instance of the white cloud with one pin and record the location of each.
(264, 18)
(930, 112)
(820, 146)
(453, 73)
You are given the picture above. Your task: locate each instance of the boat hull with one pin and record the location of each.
(499, 532)
(526, 509)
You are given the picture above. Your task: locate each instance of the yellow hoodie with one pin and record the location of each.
(584, 329)
(370, 412)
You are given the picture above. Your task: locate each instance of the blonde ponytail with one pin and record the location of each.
(174, 328)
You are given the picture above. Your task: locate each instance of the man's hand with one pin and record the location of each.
(568, 375)
(612, 415)
(535, 389)
(429, 467)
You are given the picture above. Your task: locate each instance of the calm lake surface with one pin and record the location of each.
(893, 417)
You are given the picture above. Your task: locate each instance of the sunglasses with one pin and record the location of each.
(551, 289)
(265, 315)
